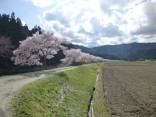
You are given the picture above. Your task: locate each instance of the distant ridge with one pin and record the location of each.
(132, 51)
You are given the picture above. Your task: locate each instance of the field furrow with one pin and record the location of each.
(131, 90)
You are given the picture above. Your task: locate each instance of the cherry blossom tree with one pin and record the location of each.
(5, 46)
(37, 49)
(71, 56)
(75, 56)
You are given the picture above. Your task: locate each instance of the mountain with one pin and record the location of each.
(133, 51)
(89, 50)
(83, 49)
(144, 55)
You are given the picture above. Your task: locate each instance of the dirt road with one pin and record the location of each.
(130, 90)
(13, 83)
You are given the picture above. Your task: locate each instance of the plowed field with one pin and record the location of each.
(130, 89)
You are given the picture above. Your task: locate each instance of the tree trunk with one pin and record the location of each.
(44, 62)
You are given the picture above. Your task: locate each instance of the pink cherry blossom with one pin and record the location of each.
(75, 56)
(36, 49)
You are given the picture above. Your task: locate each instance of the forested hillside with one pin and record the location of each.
(133, 51)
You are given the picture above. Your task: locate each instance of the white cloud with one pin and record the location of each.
(23, 22)
(99, 22)
(148, 26)
(41, 3)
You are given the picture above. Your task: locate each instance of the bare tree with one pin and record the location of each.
(5, 46)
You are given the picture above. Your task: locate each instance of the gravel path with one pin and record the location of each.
(131, 90)
(13, 83)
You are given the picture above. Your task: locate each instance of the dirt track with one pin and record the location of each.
(13, 83)
(130, 90)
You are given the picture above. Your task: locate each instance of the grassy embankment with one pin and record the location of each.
(62, 95)
(100, 103)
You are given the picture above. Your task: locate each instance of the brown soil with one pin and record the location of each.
(131, 90)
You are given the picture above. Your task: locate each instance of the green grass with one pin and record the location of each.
(100, 103)
(5, 76)
(62, 95)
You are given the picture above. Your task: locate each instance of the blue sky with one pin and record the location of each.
(23, 9)
(89, 22)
